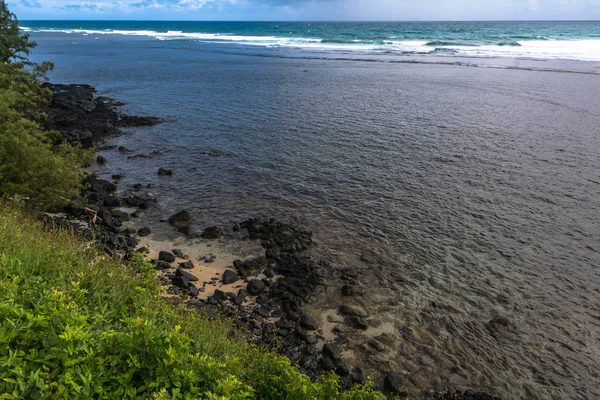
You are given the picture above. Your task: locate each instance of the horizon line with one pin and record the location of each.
(311, 21)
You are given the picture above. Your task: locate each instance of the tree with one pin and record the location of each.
(31, 164)
(15, 45)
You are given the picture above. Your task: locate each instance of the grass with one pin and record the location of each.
(75, 324)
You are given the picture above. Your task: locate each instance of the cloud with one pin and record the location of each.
(30, 3)
(308, 9)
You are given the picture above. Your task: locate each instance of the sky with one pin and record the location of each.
(307, 10)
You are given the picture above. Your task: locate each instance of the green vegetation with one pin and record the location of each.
(76, 324)
(33, 162)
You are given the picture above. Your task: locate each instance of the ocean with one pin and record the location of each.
(455, 165)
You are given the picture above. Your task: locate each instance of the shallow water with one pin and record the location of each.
(463, 193)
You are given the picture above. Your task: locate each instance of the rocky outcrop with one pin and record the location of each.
(85, 119)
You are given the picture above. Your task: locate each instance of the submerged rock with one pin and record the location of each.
(213, 232)
(181, 219)
(165, 171)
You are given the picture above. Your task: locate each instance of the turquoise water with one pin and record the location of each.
(552, 40)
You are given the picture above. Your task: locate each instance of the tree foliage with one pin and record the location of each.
(31, 164)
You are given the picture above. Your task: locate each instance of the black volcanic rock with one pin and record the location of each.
(83, 118)
(229, 277)
(255, 287)
(393, 383)
(166, 256)
(181, 219)
(213, 232)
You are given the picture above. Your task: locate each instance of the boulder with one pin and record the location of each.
(256, 287)
(180, 272)
(332, 351)
(164, 172)
(357, 322)
(213, 232)
(352, 310)
(393, 382)
(166, 256)
(358, 375)
(348, 290)
(181, 282)
(229, 277)
(187, 265)
(219, 295)
(327, 364)
(194, 290)
(181, 219)
(177, 253)
(309, 322)
(162, 265)
(145, 231)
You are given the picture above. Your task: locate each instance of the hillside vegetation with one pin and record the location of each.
(75, 324)
(35, 164)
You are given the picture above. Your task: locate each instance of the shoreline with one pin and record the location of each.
(287, 281)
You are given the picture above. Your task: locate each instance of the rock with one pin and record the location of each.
(327, 364)
(283, 324)
(311, 339)
(186, 230)
(229, 277)
(181, 219)
(180, 272)
(219, 295)
(269, 273)
(162, 265)
(308, 322)
(117, 177)
(145, 231)
(164, 172)
(186, 265)
(348, 290)
(132, 121)
(352, 310)
(341, 368)
(332, 351)
(376, 345)
(143, 250)
(236, 228)
(213, 232)
(166, 256)
(358, 375)
(242, 293)
(177, 253)
(357, 322)
(393, 382)
(181, 282)
(194, 290)
(101, 160)
(256, 287)
(103, 186)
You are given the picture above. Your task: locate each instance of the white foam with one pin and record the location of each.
(584, 49)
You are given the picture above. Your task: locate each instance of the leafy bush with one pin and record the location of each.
(75, 324)
(32, 165)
